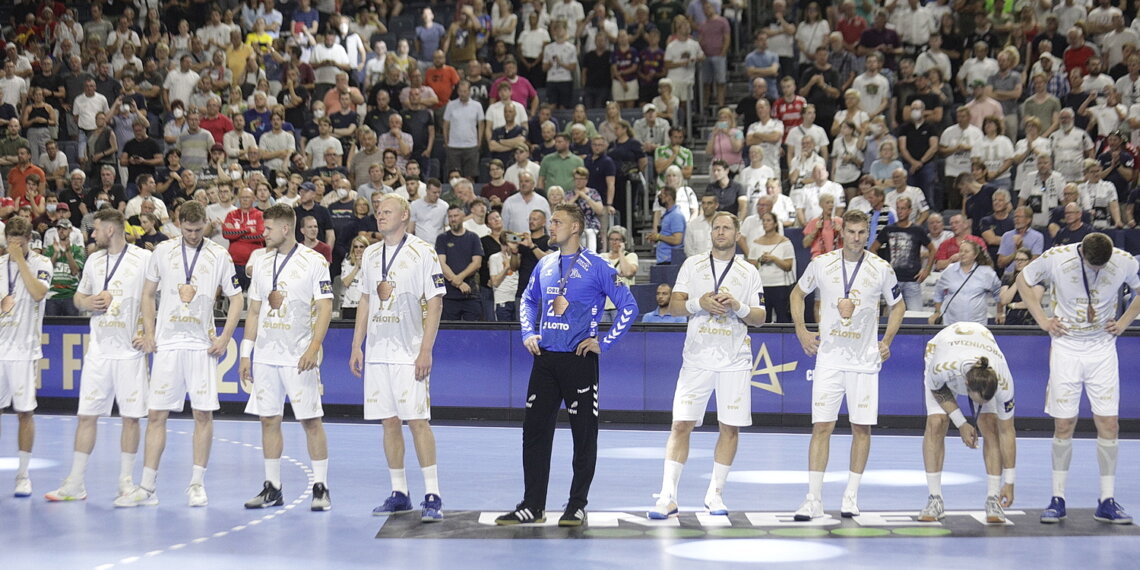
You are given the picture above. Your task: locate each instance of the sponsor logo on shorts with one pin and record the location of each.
(1008, 406)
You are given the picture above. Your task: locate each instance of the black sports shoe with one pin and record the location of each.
(522, 515)
(573, 516)
(270, 496)
(321, 499)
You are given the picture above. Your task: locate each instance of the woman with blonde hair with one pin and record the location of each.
(726, 140)
(350, 276)
(853, 113)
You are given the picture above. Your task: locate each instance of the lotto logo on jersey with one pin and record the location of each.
(326, 287)
(437, 279)
(43, 275)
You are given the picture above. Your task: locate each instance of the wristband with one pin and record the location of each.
(692, 306)
(246, 348)
(1008, 475)
(743, 311)
(957, 417)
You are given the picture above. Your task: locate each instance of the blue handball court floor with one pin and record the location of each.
(481, 476)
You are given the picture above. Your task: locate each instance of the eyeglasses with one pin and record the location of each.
(1021, 260)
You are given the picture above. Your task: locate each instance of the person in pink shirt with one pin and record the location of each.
(714, 35)
(522, 91)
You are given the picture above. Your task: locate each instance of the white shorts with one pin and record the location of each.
(105, 381)
(990, 407)
(828, 388)
(18, 384)
(271, 383)
(1094, 367)
(631, 94)
(733, 396)
(392, 391)
(178, 372)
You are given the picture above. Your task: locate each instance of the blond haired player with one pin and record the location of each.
(114, 366)
(964, 360)
(290, 304)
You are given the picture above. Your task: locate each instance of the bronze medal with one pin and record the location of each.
(276, 298)
(846, 308)
(1092, 314)
(7, 304)
(560, 305)
(186, 292)
(384, 290)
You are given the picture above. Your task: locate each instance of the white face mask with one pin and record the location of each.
(453, 182)
(178, 113)
(342, 193)
(281, 181)
(916, 116)
(99, 204)
(319, 113)
(52, 207)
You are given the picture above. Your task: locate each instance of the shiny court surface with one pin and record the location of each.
(481, 476)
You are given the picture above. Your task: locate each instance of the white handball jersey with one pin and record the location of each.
(284, 334)
(850, 344)
(713, 342)
(189, 326)
(955, 350)
(113, 330)
(396, 326)
(1061, 267)
(21, 328)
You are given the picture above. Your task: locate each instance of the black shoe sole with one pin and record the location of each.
(276, 503)
(573, 523)
(518, 522)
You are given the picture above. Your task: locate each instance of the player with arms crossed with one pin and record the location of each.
(27, 276)
(850, 281)
(181, 333)
(965, 360)
(114, 366)
(398, 316)
(559, 315)
(290, 304)
(722, 296)
(1086, 278)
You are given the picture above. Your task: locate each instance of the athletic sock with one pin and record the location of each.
(25, 460)
(671, 478)
(126, 465)
(934, 483)
(1106, 450)
(431, 480)
(399, 480)
(149, 479)
(993, 485)
(853, 480)
(1062, 457)
(320, 470)
(719, 478)
(78, 467)
(815, 484)
(273, 472)
(198, 475)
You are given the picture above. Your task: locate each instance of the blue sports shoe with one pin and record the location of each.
(1110, 511)
(432, 505)
(396, 504)
(1055, 512)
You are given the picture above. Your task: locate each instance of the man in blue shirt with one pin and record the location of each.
(672, 232)
(1020, 236)
(558, 316)
(460, 256)
(662, 314)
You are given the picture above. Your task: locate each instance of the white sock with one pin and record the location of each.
(198, 475)
(78, 467)
(853, 480)
(934, 483)
(993, 485)
(126, 465)
(719, 478)
(671, 478)
(1106, 450)
(399, 480)
(273, 472)
(1062, 457)
(815, 484)
(431, 480)
(25, 459)
(320, 470)
(149, 479)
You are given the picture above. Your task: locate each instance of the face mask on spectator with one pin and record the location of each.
(178, 113)
(342, 193)
(99, 204)
(281, 181)
(51, 208)
(916, 116)
(318, 113)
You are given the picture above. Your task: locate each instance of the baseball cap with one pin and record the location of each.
(63, 224)
(308, 186)
(648, 107)
(217, 147)
(62, 207)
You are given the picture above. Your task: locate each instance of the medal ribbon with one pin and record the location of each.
(846, 283)
(384, 264)
(718, 280)
(277, 272)
(12, 280)
(1085, 279)
(110, 271)
(188, 267)
(562, 277)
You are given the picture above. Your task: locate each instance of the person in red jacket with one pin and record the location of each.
(245, 228)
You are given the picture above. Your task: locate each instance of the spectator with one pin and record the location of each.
(652, 69)
(1118, 163)
(948, 251)
(598, 83)
(961, 296)
(461, 41)
(805, 162)
(682, 53)
(498, 189)
(1042, 193)
(55, 166)
(672, 232)
(1099, 198)
(146, 188)
(511, 136)
(1011, 308)
(522, 91)
(503, 275)
(824, 233)
(900, 188)
(873, 87)
(534, 246)
(651, 130)
(495, 112)
(847, 156)
(518, 207)
(763, 63)
(726, 140)
(328, 59)
(460, 255)
(244, 227)
(994, 224)
(194, 146)
(1074, 228)
(1071, 146)
(462, 128)
(673, 154)
(442, 78)
(522, 163)
(557, 169)
(807, 198)
(142, 154)
(1041, 106)
(589, 201)
(560, 62)
(67, 260)
(22, 170)
(307, 206)
(730, 196)
(429, 213)
(151, 235)
(1021, 237)
(662, 314)
(905, 243)
(309, 232)
(956, 144)
(351, 291)
(918, 144)
(936, 230)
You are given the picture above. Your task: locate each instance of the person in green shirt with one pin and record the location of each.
(557, 169)
(67, 261)
(673, 154)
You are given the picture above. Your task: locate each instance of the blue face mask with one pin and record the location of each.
(51, 208)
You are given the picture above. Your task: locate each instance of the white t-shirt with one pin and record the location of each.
(955, 350)
(1061, 267)
(994, 152)
(85, 108)
(687, 202)
(771, 150)
(698, 236)
(505, 292)
(284, 334)
(751, 229)
(755, 182)
(113, 330)
(326, 74)
(531, 42)
(796, 136)
(959, 162)
(512, 174)
(565, 52)
(918, 203)
(850, 344)
(189, 326)
(13, 90)
(180, 86)
(396, 326)
(216, 214)
(494, 115)
(516, 211)
(712, 342)
(807, 198)
(316, 148)
(682, 77)
(22, 327)
(429, 218)
(350, 295)
(476, 228)
(873, 91)
(1097, 198)
(1069, 152)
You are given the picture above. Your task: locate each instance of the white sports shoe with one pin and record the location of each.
(196, 495)
(68, 491)
(850, 506)
(715, 504)
(934, 511)
(126, 485)
(811, 509)
(23, 486)
(666, 507)
(137, 497)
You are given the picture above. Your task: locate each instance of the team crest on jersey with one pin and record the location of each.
(761, 295)
(41, 274)
(236, 283)
(437, 279)
(326, 287)
(1008, 406)
(896, 291)
(618, 281)
(574, 274)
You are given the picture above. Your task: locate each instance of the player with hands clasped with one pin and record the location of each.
(290, 304)
(850, 282)
(964, 360)
(1086, 279)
